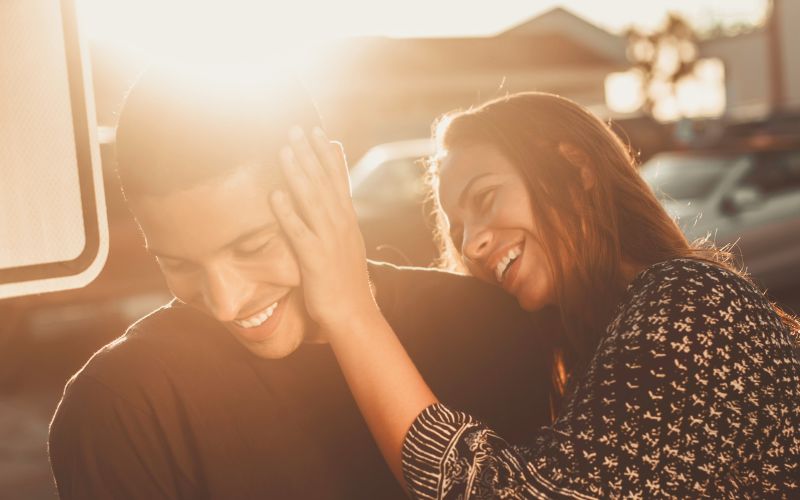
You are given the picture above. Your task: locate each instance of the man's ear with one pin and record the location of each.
(578, 158)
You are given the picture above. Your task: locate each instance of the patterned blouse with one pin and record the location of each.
(693, 391)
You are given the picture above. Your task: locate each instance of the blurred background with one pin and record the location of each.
(706, 92)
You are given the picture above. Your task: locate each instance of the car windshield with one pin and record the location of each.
(684, 177)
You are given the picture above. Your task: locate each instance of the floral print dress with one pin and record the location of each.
(693, 392)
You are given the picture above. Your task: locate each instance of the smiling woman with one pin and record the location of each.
(480, 187)
(681, 378)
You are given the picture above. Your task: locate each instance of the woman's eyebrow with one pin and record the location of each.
(465, 192)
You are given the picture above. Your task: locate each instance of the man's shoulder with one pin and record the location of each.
(447, 307)
(419, 285)
(141, 343)
(146, 356)
(121, 414)
(393, 273)
(167, 322)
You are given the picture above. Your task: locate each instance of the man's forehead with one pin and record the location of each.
(206, 217)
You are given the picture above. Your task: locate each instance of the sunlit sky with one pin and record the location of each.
(173, 25)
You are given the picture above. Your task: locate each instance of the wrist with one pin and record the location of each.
(361, 324)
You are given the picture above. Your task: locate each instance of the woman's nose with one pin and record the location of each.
(476, 243)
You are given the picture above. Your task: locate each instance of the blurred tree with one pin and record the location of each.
(661, 59)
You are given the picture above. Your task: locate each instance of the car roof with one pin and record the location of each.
(378, 155)
(403, 149)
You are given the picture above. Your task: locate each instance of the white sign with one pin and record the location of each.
(53, 228)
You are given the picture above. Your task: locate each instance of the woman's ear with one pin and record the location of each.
(578, 158)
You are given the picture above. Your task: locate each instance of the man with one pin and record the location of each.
(227, 392)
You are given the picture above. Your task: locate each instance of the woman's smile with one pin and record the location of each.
(492, 225)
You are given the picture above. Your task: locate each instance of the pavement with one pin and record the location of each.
(29, 395)
(24, 471)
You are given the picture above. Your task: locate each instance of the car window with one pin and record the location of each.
(684, 177)
(394, 180)
(775, 173)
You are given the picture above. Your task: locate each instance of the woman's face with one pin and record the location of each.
(492, 224)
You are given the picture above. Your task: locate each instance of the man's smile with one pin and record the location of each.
(261, 326)
(258, 318)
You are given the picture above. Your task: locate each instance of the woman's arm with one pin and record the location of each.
(389, 390)
(672, 399)
(322, 227)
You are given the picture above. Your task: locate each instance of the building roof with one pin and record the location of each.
(562, 22)
(554, 39)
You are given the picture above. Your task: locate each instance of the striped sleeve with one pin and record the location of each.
(425, 448)
(693, 392)
(448, 453)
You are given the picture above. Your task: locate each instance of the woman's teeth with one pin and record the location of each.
(502, 267)
(257, 319)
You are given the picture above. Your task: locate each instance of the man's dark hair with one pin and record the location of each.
(182, 127)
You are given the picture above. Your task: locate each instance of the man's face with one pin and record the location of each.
(222, 251)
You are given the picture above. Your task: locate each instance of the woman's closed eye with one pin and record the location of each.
(483, 199)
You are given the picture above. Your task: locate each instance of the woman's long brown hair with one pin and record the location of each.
(590, 232)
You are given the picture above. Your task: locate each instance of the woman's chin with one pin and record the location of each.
(532, 299)
(530, 305)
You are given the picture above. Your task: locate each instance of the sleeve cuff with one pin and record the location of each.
(427, 445)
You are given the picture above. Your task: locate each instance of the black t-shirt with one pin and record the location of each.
(176, 408)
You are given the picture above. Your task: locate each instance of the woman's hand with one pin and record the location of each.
(321, 225)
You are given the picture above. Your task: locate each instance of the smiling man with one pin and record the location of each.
(227, 392)
(221, 252)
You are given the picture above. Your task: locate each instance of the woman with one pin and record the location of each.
(681, 378)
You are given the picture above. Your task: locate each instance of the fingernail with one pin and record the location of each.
(318, 132)
(295, 133)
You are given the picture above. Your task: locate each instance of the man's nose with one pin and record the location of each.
(476, 243)
(225, 293)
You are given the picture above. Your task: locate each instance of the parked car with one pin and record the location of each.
(749, 196)
(389, 195)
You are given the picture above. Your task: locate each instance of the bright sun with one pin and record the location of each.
(181, 29)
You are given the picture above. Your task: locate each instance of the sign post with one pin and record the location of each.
(53, 227)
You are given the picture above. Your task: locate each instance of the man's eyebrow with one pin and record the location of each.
(269, 226)
(464, 192)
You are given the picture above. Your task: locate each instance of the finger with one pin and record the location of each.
(311, 159)
(307, 158)
(303, 241)
(332, 159)
(322, 146)
(331, 155)
(340, 173)
(305, 193)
